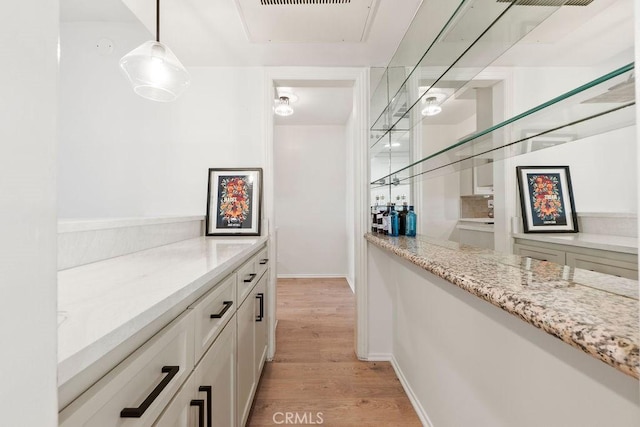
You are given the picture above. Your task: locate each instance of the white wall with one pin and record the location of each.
(440, 210)
(123, 156)
(28, 83)
(309, 198)
(455, 351)
(603, 170)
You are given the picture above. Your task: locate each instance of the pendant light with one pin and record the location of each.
(282, 107)
(154, 71)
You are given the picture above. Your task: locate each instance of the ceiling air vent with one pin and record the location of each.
(288, 2)
(548, 2)
(306, 21)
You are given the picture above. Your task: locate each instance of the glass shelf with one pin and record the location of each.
(473, 35)
(602, 105)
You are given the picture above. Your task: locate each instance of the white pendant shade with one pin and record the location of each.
(154, 72)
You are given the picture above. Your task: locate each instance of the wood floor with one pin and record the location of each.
(315, 374)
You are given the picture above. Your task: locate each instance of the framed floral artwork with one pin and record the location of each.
(234, 199)
(547, 200)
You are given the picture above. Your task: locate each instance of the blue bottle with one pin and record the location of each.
(395, 222)
(411, 222)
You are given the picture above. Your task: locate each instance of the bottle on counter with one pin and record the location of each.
(411, 223)
(385, 220)
(402, 220)
(393, 222)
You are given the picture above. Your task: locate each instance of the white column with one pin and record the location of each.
(28, 111)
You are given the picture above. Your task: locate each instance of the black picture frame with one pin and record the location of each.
(234, 202)
(546, 198)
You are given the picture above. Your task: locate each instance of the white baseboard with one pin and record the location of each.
(351, 284)
(379, 357)
(422, 414)
(312, 276)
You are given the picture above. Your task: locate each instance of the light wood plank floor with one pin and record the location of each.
(315, 368)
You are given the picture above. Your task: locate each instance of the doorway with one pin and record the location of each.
(315, 188)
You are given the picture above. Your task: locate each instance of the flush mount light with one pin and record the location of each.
(393, 144)
(282, 107)
(154, 71)
(432, 108)
(288, 93)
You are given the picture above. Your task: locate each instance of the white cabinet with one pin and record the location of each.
(207, 398)
(252, 335)
(136, 391)
(540, 253)
(607, 262)
(200, 370)
(261, 325)
(246, 356)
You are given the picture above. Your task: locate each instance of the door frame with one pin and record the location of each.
(360, 77)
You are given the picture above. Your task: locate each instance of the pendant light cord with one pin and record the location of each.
(158, 21)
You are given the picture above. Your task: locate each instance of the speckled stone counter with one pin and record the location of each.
(594, 312)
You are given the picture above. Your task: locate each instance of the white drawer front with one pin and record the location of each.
(212, 312)
(262, 262)
(247, 278)
(134, 380)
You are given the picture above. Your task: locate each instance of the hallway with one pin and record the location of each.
(315, 377)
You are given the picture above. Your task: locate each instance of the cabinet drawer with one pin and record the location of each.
(541, 254)
(147, 379)
(603, 265)
(212, 312)
(262, 262)
(247, 278)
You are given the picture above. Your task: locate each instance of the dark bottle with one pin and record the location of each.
(411, 223)
(402, 220)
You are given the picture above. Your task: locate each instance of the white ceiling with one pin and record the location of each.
(213, 33)
(318, 105)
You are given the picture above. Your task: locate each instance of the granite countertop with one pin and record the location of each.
(586, 240)
(594, 312)
(101, 305)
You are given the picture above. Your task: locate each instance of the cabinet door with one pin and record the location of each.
(261, 324)
(541, 254)
(215, 379)
(246, 378)
(180, 412)
(603, 265)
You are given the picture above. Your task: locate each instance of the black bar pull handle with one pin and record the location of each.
(251, 277)
(264, 261)
(200, 404)
(172, 371)
(260, 296)
(207, 389)
(227, 306)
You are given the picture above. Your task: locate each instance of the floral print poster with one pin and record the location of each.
(233, 202)
(546, 199)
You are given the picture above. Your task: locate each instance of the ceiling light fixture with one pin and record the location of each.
(393, 144)
(282, 107)
(154, 71)
(432, 107)
(293, 98)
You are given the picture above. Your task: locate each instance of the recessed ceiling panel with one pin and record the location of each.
(306, 21)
